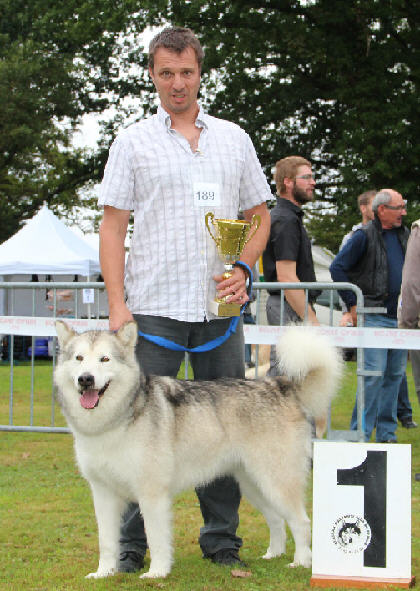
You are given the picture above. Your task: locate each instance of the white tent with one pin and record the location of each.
(322, 258)
(45, 245)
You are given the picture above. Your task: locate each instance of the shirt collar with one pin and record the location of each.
(282, 202)
(164, 117)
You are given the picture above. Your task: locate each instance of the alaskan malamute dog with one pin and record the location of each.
(146, 438)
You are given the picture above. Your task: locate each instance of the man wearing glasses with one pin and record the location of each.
(373, 260)
(288, 255)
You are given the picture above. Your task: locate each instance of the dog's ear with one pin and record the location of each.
(64, 332)
(128, 334)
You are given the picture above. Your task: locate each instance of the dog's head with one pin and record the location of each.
(95, 365)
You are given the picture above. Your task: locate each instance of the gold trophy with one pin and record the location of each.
(230, 237)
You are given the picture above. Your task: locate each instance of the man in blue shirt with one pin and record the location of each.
(373, 260)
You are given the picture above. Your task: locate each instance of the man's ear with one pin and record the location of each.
(288, 182)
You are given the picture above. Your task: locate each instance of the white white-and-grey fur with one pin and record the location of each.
(148, 438)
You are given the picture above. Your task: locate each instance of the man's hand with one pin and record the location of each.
(119, 316)
(234, 286)
(347, 319)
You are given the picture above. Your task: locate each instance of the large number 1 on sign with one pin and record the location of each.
(371, 474)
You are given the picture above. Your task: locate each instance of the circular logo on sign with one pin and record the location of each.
(351, 533)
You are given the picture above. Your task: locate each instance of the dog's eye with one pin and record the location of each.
(104, 358)
(79, 357)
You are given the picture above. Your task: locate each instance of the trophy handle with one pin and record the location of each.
(210, 216)
(256, 219)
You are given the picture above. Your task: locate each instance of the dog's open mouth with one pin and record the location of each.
(90, 398)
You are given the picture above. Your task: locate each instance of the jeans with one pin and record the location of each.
(381, 392)
(220, 499)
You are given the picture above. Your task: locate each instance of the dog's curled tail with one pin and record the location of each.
(310, 360)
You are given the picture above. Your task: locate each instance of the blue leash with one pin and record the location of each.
(162, 342)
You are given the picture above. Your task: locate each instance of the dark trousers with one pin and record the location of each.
(404, 410)
(219, 500)
(415, 365)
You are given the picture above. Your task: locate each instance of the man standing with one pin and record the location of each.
(373, 260)
(409, 311)
(364, 202)
(288, 255)
(404, 409)
(171, 169)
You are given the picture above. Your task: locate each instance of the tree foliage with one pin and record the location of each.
(336, 82)
(58, 62)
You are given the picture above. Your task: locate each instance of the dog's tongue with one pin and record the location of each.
(89, 398)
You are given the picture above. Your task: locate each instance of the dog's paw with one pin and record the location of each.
(154, 574)
(296, 564)
(101, 574)
(269, 554)
(305, 561)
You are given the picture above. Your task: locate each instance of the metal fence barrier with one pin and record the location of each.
(52, 300)
(88, 300)
(332, 288)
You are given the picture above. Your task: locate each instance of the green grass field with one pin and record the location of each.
(48, 533)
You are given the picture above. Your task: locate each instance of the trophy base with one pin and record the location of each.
(224, 309)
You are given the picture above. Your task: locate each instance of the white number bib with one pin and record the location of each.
(206, 194)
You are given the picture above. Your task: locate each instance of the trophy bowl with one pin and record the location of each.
(230, 237)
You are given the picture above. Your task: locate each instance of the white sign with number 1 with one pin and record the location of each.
(361, 512)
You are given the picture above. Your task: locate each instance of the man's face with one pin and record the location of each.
(391, 214)
(303, 185)
(367, 211)
(176, 77)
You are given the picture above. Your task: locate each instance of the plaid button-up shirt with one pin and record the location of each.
(152, 170)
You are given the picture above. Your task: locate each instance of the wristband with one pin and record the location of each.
(248, 271)
(245, 267)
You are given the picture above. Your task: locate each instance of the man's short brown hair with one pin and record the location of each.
(175, 39)
(287, 168)
(366, 197)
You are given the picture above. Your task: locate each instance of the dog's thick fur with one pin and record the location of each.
(144, 439)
